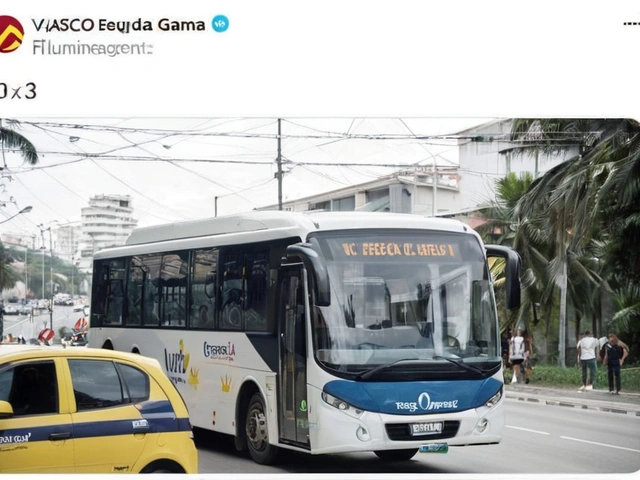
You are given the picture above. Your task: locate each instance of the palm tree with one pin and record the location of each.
(505, 226)
(10, 139)
(591, 205)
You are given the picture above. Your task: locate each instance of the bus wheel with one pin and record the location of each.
(257, 434)
(396, 455)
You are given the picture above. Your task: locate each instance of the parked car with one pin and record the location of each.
(90, 411)
(10, 309)
(24, 310)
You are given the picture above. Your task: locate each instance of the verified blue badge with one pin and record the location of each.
(220, 23)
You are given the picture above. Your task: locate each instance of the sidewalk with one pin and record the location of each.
(625, 403)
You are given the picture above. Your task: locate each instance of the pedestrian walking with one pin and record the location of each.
(614, 357)
(516, 354)
(587, 354)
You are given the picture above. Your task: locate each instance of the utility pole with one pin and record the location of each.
(42, 247)
(72, 267)
(434, 187)
(42, 230)
(562, 334)
(26, 274)
(279, 174)
(51, 278)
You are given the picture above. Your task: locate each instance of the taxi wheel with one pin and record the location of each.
(258, 434)
(396, 455)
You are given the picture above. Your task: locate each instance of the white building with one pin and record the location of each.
(409, 191)
(486, 154)
(67, 241)
(106, 222)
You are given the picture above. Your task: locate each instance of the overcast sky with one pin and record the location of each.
(174, 168)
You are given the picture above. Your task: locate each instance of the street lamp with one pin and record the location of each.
(42, 230)
(24, 210)
(26, 274)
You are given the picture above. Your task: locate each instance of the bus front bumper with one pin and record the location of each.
(339, 432)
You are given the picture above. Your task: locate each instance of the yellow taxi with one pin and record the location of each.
(89, 410)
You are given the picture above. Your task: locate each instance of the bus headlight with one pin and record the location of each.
(342, 405)
(494, 400)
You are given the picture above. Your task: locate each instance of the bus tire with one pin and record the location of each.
(396, 455)
(257, 433)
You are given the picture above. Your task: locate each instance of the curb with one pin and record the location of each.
(622, 409)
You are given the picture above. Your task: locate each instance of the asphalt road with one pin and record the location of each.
(29, 328)
(538, 439)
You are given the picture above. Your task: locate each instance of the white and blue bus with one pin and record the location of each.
(321, 332)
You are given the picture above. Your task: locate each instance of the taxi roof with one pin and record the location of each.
(11, 352)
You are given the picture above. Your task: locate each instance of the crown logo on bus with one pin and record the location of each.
(193, 378)
(226, 383)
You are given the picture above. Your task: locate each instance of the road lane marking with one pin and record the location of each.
(528, 430)
(600, 444)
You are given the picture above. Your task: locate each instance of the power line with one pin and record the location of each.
(324, 134)
(141, 194)
(139, 158)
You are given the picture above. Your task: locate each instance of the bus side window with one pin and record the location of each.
(204, 289)
(233, 299)
(172, 291)
(99, 292)
(257, 272)
(135, 292)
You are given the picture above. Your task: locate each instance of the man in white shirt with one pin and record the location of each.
(588, 351)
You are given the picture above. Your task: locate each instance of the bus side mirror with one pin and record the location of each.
(512, 271)
(318, 268)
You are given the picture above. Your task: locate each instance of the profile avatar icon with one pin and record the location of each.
(11, 34)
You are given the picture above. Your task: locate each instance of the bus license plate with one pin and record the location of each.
(430, 428)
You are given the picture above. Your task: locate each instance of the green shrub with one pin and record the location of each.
(571, 377)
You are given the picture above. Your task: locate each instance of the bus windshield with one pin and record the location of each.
(413, 298)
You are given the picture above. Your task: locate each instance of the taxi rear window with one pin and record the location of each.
(104, 384)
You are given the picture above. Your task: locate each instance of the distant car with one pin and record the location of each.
(24, 310)
(90, 411)
(10, 309)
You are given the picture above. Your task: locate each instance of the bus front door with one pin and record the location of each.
(292, 384)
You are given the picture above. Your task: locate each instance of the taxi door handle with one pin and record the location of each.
(142, 429)
(59, 436)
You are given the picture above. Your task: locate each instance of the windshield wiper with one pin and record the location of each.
(372, 371)
(462, 365)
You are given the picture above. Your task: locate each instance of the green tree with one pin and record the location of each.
(8, 276)
(10, 139)
(591, 207)
(505, 225)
